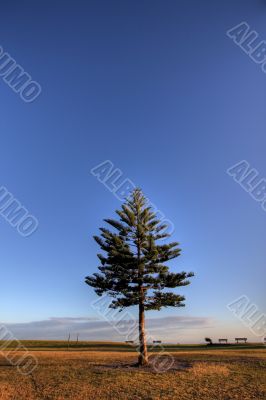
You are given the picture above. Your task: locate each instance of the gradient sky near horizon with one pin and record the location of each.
(158, 88)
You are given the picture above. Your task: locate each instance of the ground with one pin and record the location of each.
(108, 372)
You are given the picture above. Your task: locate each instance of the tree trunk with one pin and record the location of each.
(143, 354)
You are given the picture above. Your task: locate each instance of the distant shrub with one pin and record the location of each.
(208, 340)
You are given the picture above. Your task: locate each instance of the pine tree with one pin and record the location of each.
(133, 269)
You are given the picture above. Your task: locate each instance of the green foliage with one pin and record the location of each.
(132, 266)
(208, 340)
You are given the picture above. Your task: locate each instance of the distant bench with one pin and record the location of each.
(241, 339)
(157, 342)
(223, 341)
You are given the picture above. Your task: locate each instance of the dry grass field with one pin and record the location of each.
(199, 374)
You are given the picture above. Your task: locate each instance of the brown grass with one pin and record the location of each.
(216, 375)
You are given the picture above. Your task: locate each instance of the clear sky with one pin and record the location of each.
(158, 88)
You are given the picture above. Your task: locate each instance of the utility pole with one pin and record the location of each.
(77, 339)
(68, 341)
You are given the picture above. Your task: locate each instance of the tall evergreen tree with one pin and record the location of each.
(133, 269)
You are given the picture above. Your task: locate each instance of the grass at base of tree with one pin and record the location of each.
(101, 375)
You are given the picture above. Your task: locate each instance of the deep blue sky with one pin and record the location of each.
(160, 90)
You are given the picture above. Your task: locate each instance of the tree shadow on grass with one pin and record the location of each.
(153, 367)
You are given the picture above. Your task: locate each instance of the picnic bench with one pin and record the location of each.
(223, 341)
(241, 340)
